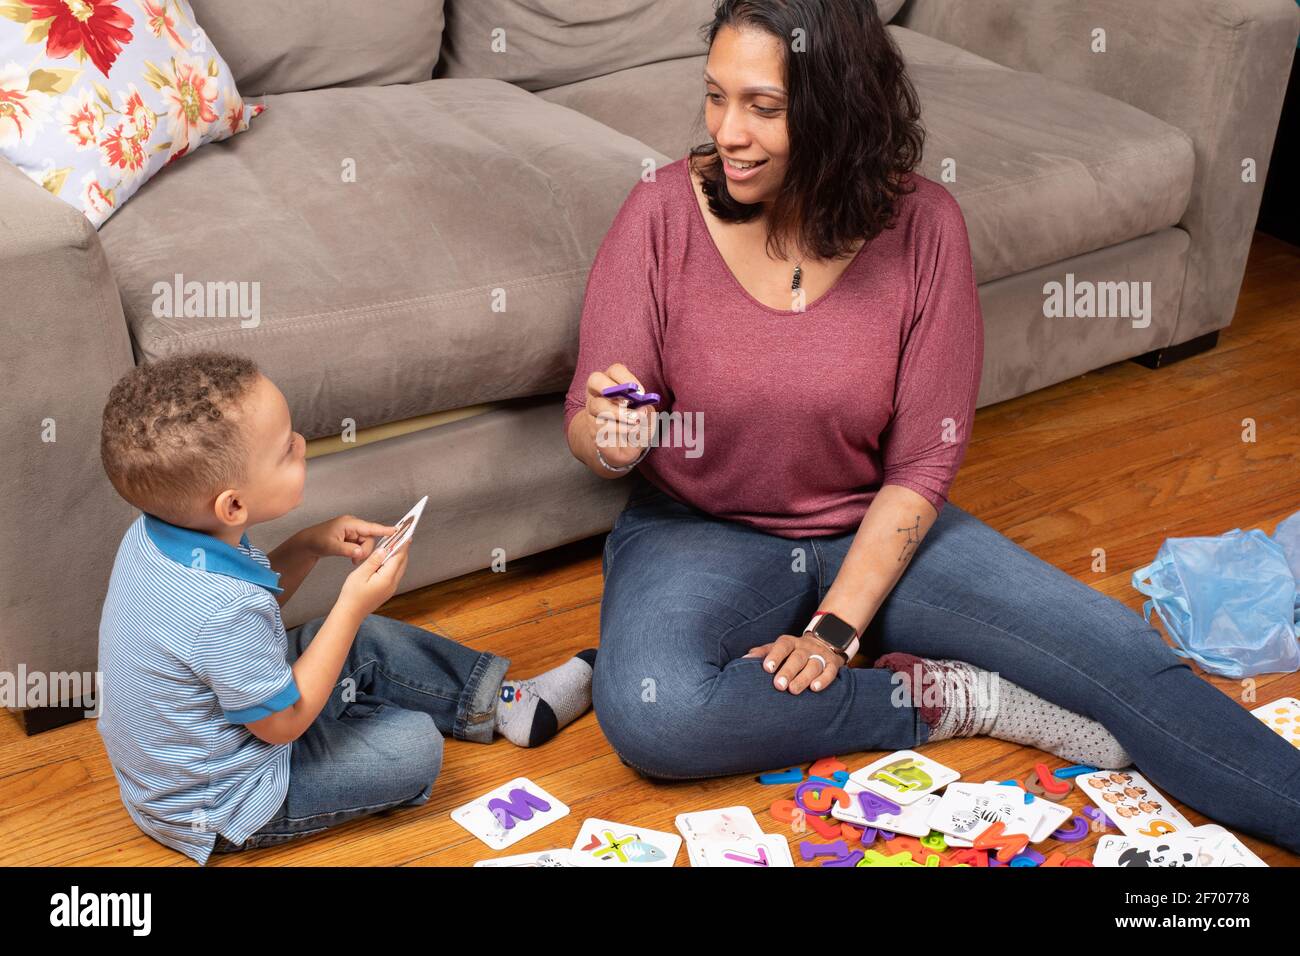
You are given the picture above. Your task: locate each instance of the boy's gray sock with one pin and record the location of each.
(961, 700)
(532, 711)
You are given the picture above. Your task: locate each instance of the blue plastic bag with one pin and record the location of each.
(1229, 602)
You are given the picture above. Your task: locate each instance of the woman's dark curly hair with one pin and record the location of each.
(853, 122)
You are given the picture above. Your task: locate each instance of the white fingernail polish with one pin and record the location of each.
(780, 682)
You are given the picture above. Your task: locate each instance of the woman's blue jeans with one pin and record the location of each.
(378, 742)
(687, 595)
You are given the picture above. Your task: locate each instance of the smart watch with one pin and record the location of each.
(835, 631)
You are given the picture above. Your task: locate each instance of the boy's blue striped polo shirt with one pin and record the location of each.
(191, 648)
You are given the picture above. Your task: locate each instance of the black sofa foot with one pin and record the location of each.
(37, 720)
(1158, 358)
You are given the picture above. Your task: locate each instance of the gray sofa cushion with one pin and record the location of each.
(549, 43)
(1044, 170)
(888, 9)
(377, 296)
(280, 46)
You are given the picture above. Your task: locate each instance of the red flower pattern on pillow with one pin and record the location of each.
(97, 28)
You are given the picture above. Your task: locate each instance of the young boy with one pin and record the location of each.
(224, 732)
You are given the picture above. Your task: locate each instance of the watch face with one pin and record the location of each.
(834, 631)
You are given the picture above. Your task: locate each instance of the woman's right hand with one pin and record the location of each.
(621, 433)
(369, 585)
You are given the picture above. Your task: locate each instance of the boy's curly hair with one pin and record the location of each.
(171, 435)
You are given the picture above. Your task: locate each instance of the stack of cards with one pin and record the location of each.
(968, 809)
(731, 837)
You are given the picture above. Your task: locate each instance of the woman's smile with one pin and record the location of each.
(741, 172)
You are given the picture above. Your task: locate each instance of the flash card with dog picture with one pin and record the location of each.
(509, 813)
(1132, 803)
(405, 529)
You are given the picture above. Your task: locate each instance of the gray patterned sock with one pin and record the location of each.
(958, 699)
(531, 712)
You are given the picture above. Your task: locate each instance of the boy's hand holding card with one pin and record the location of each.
(344, 537)
(403, 532)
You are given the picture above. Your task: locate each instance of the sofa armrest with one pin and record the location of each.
(1217, 69)
(65, 342)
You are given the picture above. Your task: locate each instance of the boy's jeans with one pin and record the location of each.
(378, 742)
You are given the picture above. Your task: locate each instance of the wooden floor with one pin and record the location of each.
(1122, 457)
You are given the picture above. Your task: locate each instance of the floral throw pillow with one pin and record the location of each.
(96, 96)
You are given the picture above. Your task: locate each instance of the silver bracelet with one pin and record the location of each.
(622, 469)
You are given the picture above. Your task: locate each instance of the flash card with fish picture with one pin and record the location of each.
(1132, 803)
(509, 813)
(404, 532)
(603, 843)
(904, 777)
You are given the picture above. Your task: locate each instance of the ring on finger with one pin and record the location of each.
(818, 657)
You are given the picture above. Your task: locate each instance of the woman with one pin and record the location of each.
(797, 288)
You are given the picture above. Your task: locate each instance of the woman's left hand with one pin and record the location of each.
(797, 667)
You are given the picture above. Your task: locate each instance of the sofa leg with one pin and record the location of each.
(37, 720)
(1158, 358)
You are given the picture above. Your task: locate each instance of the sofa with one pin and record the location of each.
(422, 199)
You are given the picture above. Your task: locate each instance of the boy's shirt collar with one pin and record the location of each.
(214, 555)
